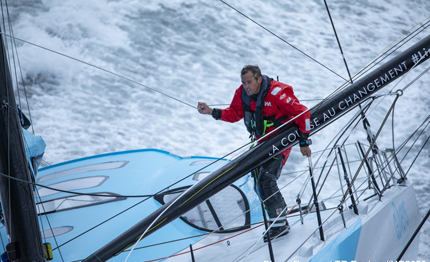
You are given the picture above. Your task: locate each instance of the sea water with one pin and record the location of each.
(140, 67)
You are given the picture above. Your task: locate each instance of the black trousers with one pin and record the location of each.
(265, 178)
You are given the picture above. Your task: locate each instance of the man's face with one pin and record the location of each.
(251, 85)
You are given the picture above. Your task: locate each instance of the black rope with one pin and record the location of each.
(313, 59)
(49, 224)
(413, 236)
(368, 151)
(99, 68)
(73, 192)
(162, 190)
(413, 162)
(338, 42)
(409, 138)
(20, 69)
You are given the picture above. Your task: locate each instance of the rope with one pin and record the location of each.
(338, 42)
(281, 39)
(73, 192)
(19, 66)
(99, 68)
(413, 162)
(50, 227)
(414, 235)
(208, 245)
(160, 191)
(370, 148)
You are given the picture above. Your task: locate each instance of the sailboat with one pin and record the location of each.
(205, 208)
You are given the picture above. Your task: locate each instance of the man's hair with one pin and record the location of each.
(254, 69)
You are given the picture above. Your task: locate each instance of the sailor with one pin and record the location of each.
(265, 104)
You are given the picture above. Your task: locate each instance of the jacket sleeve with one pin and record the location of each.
(289, 105)
(234, 112)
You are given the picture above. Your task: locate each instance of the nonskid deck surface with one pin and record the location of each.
(303, 242)
(249, 246)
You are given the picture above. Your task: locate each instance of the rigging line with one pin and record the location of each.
(413, 162)
(400, 80)
(185, 252)
(418, 77)
(392, 130)
(338, 42)
(73, 192)
(407, 139)
(154, 221)
(13, 56)
(390, 51)
(340, 135)
(49, 223)
(20, 70)
(370, 148)
(7, 107)
(414, 235)
(249, 251)
(311, 235)
(99, 68)
(383, 55)
(251, 208)
(185, 238)
(282, 39)
(162, 190)
(371, 64)
(307, 100)
(403, 42)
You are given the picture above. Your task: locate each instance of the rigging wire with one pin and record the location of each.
(407, 140)
(49, 223)
(374, 61)
(414, 235)
(13, 44)
(419, 152)
(160, 191)
(283, 40)
(268, 134)
(5, 106)
(190, 105)
(338, 42)
(74, 192)
(368, 151)
(394, 47)
(99, 68)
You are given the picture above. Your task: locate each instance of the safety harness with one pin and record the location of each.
(255, 122)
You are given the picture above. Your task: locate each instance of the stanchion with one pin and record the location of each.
(316, 199)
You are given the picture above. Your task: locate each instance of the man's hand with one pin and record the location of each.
(306, 151)
(204, 108)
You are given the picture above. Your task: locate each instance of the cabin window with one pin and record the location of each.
(200, 175)
(57, 231)
(83, 169)
(75, 201)
(223, 212)
(202, 162)
(72, 184)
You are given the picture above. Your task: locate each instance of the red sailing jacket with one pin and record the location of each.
(279, 101)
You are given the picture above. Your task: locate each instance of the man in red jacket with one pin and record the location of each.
(266, 104)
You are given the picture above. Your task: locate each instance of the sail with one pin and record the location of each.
(322, 115)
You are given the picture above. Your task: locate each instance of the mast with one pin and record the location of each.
(321, 116)
(17, 199)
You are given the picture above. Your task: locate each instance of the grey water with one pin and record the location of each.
(193, 51)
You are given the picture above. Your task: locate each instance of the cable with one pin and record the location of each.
(282, 39)
(414, 235)
(73, 192)
(338, 42)
(99, 68)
